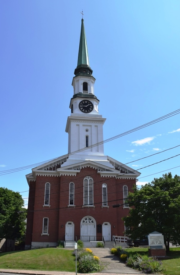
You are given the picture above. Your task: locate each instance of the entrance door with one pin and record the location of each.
(106, 230)
(88, 229)
(69, 234)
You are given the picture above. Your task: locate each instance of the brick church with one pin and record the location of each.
(71, 197)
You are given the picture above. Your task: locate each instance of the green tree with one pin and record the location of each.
(155, 207)
(12, 214)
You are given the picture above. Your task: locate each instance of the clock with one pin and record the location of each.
(86, 106)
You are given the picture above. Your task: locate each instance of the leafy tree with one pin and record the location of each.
(155, 207)
(12, 214)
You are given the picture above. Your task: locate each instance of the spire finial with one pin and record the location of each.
(82, 14)
(83, 66)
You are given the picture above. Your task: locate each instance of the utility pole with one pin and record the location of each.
(75, 247)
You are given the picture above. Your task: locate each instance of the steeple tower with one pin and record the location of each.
(83, 67)
(85, 124)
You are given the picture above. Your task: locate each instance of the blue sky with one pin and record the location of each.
(134, 53)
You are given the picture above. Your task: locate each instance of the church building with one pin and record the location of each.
(72, 197)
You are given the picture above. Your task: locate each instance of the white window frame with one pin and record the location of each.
(45, 194)
(73, 194)
(88, 197)
(104, 204)
(45, 233)
(125, 205)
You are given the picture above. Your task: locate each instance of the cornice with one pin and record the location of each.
(68, 172)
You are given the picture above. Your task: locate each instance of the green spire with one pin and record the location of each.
(83, 67)
(83, 58)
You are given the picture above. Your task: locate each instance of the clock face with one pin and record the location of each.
(86, 106)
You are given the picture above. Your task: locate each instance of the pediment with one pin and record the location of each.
(124, 169)
(57, 167)
(52, 165)
(86, 164)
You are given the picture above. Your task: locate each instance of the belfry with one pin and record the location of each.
(71, 197)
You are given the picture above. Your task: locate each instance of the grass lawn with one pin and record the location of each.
(39, 259)
(171, 266)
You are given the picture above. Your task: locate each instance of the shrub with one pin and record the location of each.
(96, 258)
(60, 244)
(99, 244)
(80, 244)
(123, 257)
(114, 251)
(87, 263)
(144, 263)
(130, 261)
(150, 266)
(88, 250)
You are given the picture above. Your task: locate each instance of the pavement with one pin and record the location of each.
(111, 263)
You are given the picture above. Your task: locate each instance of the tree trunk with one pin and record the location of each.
(167, 246)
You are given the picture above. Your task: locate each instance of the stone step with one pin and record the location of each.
(69, 244)
(109, 244)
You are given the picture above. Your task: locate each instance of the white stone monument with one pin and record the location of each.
(156, 244)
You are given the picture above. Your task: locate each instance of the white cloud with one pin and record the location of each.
(143, 141)
(156, 149)
(175, 131)
(2, 165)
(135, 165)
(130, 151)
(141, 183)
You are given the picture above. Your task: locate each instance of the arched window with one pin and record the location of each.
(85, 87)
(71, 193)
(125, 195)
(104, 195)
(88, 196)
(45, 227)
(47, 194)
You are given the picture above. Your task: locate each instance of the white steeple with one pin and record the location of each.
(85, 124)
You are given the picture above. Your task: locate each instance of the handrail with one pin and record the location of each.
(121, 239)
(103, 240)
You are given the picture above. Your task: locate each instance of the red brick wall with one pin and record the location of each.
(30, 213)
(59, 213)
(157, 252)
(41, 211)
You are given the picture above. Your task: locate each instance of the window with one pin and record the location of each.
(71, 193)
(85, 86)
(47, 194)
(125, 195)
(72, 108)
(88, 191)
(104, 194)
(45, 226)
(87, 141)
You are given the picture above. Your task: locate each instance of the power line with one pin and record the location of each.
(160, 172)
(96, 182)
(158, 162)
(5, 172)
(124, 174)
(154, 154)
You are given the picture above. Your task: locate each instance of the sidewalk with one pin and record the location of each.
(38, 272)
